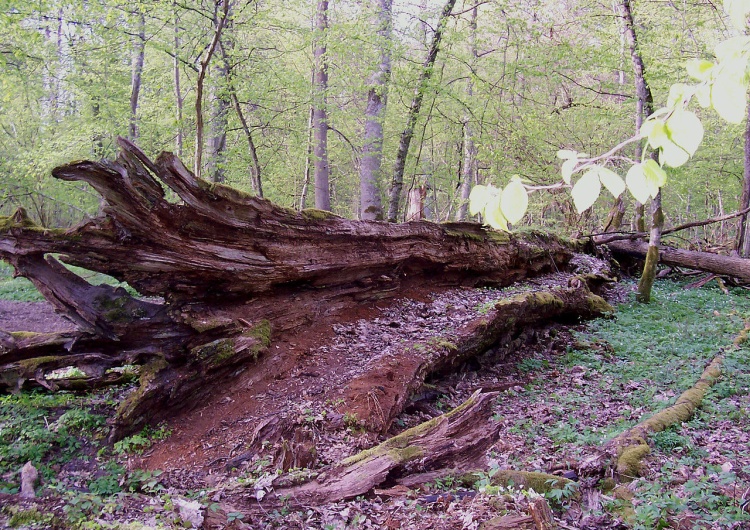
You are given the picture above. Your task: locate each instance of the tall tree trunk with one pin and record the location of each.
(138, 58)
(371, 207)
(220, 103)
(308, 159)
(203, 70)
(645, 107)
(320, 119)
(176, 73)
(397, 183)
(743, 234)
(469, 169)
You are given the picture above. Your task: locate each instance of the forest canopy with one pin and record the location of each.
(511, 84)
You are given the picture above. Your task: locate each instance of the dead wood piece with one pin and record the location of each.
(460, 437)
(508, 522)
(376, 405)
(526, 480)
(705, 261)
(700, 283)
(630, 447)
(29, 476)
(541, 513)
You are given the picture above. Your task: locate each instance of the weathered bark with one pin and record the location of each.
(645, 107)
(458, 439)
(137, 71)
(469, 169)
(179, 98)
(234, 271)
(371, 208)
(203, 70)
(705, 261)
(743, 234)
(319, 114)
(397, 182)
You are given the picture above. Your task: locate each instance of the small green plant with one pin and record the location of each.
(532, 365)
(559, 497)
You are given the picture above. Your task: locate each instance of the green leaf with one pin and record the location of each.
(567, 169)
(673, 155)
(703, 95)
(731, 48)
(737, 11)
(586, 190)
(611, 181)
(637, 185)
(514, 201)
(493, 216)
(728, 98)
(566, 154)
(656, 177)
(685, 129)
(679, 95)
(699, 69)
(478, 199)
(657, 133)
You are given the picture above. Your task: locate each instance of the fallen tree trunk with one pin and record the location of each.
(706, 261)
(235, 273)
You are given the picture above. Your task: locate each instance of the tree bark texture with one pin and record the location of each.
(319, 116)
(371, 207)
(397, 182)
(716, 263)
(233, 271)
(645, 107)
(743, 235)
(469, 169)
(203, 70)
(139, 54)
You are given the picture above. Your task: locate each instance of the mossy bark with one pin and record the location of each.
(459, 439)
(630, 447)
(648, 276)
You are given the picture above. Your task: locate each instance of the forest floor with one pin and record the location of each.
(563, 395)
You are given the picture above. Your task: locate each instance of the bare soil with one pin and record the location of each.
(39, 317)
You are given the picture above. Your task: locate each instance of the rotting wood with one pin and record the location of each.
(541, 513)
(705, 261)
(459, 439)
(235, 272)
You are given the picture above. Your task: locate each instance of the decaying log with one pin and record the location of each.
(458, 440)
(232, 273)
(705, 261)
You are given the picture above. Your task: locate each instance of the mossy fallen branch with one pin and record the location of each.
(631, 446)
